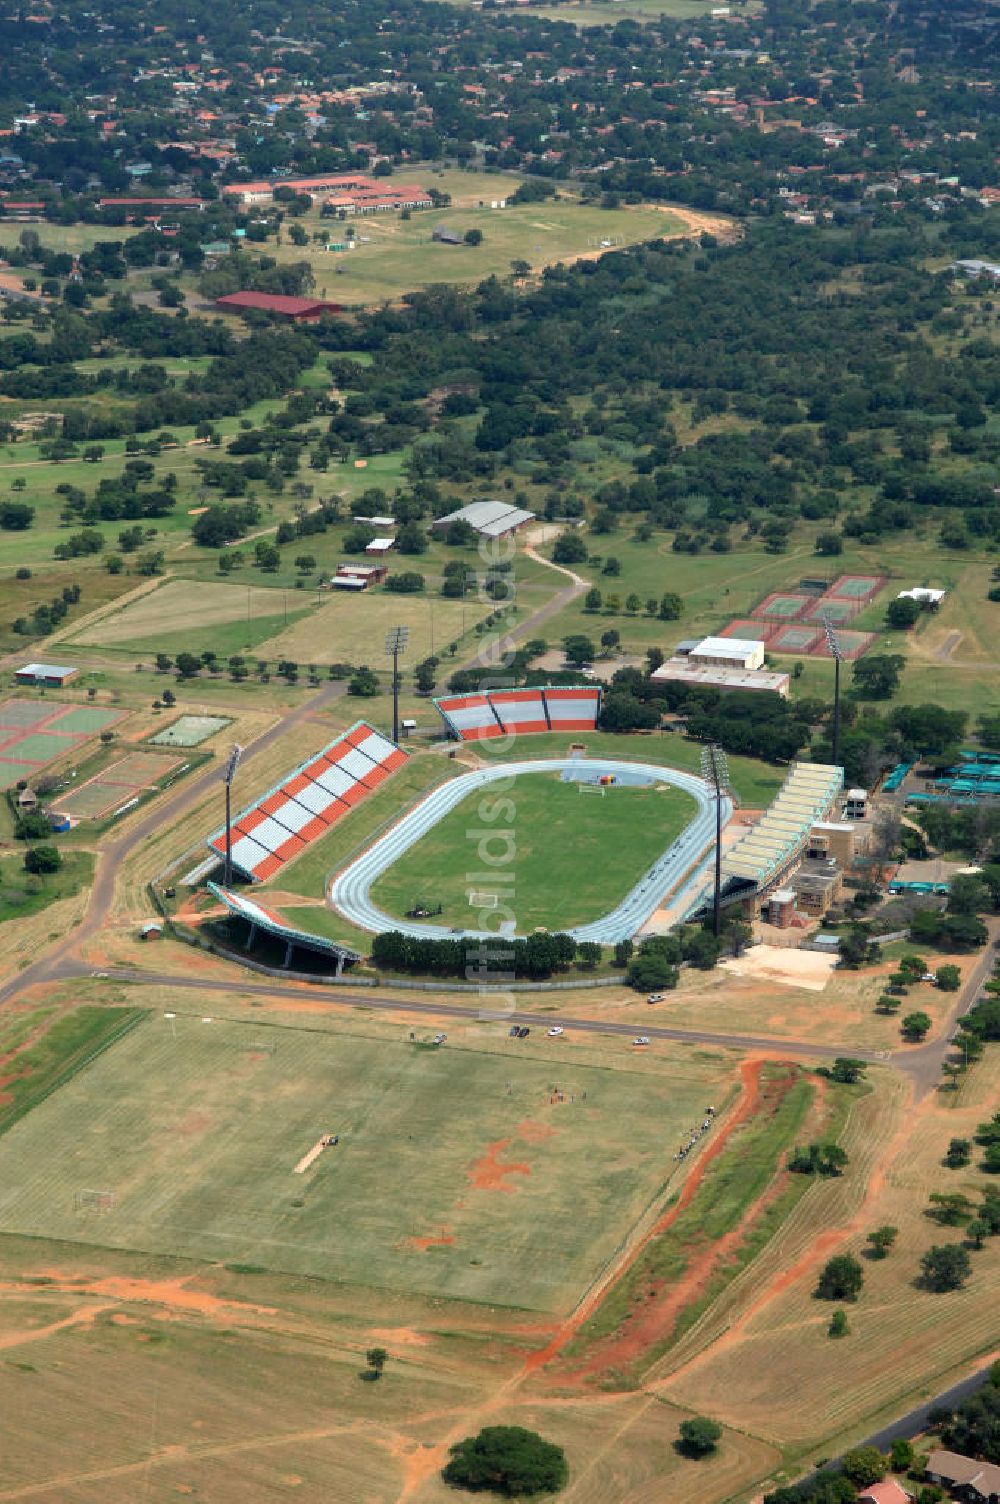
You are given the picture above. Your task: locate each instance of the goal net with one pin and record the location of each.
(94, 1201)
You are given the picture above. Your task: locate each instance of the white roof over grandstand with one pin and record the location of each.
(491, 518)
(806, 796)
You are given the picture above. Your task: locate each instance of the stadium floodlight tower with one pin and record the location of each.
(228, 776)
(395, 643)
(715, 770)
(833, 644)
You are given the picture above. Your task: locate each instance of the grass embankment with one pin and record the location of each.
(735, 1183)
(71, 1043)
(573, 857)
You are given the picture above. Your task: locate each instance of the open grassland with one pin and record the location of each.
(197, 1129)
(188, 608)
(349, 628)
(23, 893)
(575, 856)
(393, 256)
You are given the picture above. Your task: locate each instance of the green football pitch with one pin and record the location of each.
(569, 858)
(479, 1170)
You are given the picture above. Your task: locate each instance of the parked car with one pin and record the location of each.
(641, 1039)
(555, 1030)
(655, 997)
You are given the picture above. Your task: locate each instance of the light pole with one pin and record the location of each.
(715, 770)
(229, 775)
(395, 643)
(833, 644)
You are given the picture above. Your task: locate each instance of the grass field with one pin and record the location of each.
(394, 256)
(196, 1130)
(22, 893)
(186, 610)
(576, 855)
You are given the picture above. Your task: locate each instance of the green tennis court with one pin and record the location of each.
(784, 607)
(836, 610)
(190, 730)
(29, 712)
(139, 770)
(91, 800)
(84, 719)
(41, 747)
(11, 771)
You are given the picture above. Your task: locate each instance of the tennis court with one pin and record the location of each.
(34, 733)
(84, 720)
(794, 640)
(123, 780)
(851, 644)
(190, 730)
(27, 712)
(836, 610)
(857, 587)
(782, 607)
(750, 630)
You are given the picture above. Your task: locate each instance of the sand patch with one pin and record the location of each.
(789, 968)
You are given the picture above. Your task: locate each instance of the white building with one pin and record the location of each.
(728, 652)
(923, 595)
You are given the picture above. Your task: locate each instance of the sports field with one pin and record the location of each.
(573, 855)
(461, 1171)
(183, 611)
(115, 785)
(393, 256)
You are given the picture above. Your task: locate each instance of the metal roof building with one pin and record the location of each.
(491, 519)
(259, 918)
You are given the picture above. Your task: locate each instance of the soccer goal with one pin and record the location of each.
(260, 1046)
(593, 788)
(94, 1201)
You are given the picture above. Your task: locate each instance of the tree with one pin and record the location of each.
(959, 1154)
(876, 676)
(423, 676)
(846, 1070)
(829, 544)
(902, 613)
(569, 548)
(671, 606)
(168, 697)
(507, 1460)
(976, 1231)
(838, 1325)
(364, 682)
(901, 1454)
(651, 972)
(699, 1437)
(473, 237)
(305, 563)
(949, 978)
(188, 665)
(915, 1025)
(864, 1466)
(376, 1357)
(411, 539)
(881, 1241)
(944, 1267)
(589, 954)
(42, 859)
(579, 649)
(593, 599)
(841, 1278)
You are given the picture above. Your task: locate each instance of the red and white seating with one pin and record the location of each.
(508, 712)
(318, 794)
(573, 709)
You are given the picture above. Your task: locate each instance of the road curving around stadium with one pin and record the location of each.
(350, 890)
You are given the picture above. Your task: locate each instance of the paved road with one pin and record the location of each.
(375, 998)
(915, 1421)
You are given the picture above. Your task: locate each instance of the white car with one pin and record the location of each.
(641, 1039)
(655, 997)
(555, 1031)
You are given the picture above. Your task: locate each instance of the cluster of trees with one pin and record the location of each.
(495, 961)
(46, 617)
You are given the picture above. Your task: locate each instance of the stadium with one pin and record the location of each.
(501, 844)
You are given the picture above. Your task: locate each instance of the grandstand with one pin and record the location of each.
(504, 712)
(271, 832)
(259, 918)
(761, 859)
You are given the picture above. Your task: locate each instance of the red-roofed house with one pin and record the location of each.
(888, 1492)
(295, 310)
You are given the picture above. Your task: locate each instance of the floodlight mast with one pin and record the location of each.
(228, 776)
(833, 645)
(715, 770)
(395, 643)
